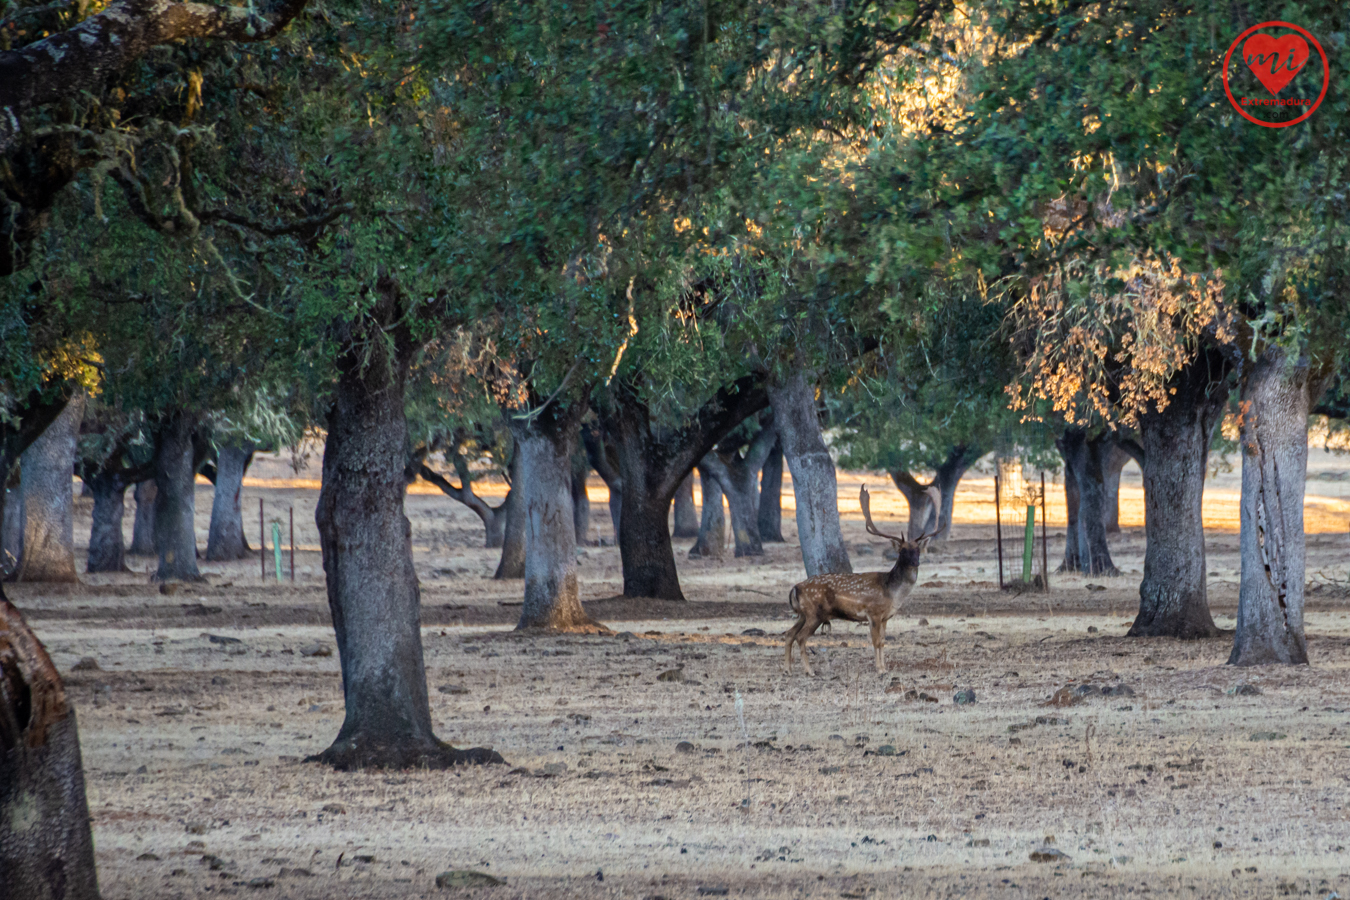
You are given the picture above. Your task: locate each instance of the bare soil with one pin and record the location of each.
(627, 780)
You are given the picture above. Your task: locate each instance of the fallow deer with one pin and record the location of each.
(870, 597)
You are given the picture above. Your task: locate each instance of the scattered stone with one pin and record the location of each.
(671, 675)
(169, 587)
(886, 750)
(625, 635)
(1246, 690)
(236, 649)
(466, 878)
(1268, 736)
(234, 751)
(755, 632)
(336, 809)
(295, 873)
(923, 622)
(220, 638)
(926, 698)
(712, 891)
(1092, 629)
(194, 847)
(219, 680)
(552, 770)
(1117, 690)
(1065, 696)
(142, 770)
(830, 770)
(1095, 587)
(86, 664)
(1048, 855)
(684, 747)
(147, 857)
(452, 689)
(964, 698)
(195, 828)
(257, 883)
(318, 648)
(836, 737)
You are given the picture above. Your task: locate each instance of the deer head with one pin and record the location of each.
(907, 551)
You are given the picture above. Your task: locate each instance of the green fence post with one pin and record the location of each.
(276, 546)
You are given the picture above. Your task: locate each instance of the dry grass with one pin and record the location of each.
(826, 787)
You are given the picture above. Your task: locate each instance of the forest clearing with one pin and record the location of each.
(825, 787)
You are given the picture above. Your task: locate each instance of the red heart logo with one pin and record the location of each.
(1275, 60)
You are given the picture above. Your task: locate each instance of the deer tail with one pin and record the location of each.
(792, 601)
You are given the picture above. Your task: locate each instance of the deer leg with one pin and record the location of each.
(792, 636)
(809, 629)
(879, 644)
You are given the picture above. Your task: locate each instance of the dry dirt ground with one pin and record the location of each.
(624, 780)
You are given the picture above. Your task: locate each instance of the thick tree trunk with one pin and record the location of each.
(739, 482)
(494, 520)
(813, 477)
(1084, 458)
(712, 529)
(373, 593)
(1115, 460)
(545, 443)
(512, 516)
(106, 551)
(686, 513)
(1173, 598)
(1276, 397)
(581, 502)
(922, 515)
(226, 538)
(599, 454)
(771, 496)
(176, 501)
(46, 849)
(48, 500)
(143, 524)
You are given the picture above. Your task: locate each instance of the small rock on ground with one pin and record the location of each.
(466, 878)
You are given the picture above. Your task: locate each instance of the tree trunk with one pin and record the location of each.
(738, 481)
(686, 513)
(373, 593)
(106, 552)
(176, 501)
(494, 520)
(46, 848)
(48, 500)
(1084, 458)
(813, 477)
(143, 525)
(599, 455)
(1115, 459)
(1173, 598)
(1276, 397)
(1072, 560)
(226, 538)
(545, 443)
(11, 537)
(512, 516)
(771, 496)
(712, 529)
(581, 501)
(922, 515)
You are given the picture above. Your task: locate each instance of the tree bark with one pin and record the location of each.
(143, 525)
(1115, 459)
(600, 454)
(947, 477)
(176, 501)
(1072, 561)
(813, 477)
(106, 549)
(546, 442)
(712, 529)
(1173, 596)
(11, 530)
(226, 538)
(48, 500)
(493, 519)
(739, 479)
(512, 514)
(581, 501)
(686, 513)
(373, 593)
(1084, 458)
(1276, 397)
(46, 848)
(653, 461)
(771, 496)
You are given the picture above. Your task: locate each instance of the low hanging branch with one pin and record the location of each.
(77, 60)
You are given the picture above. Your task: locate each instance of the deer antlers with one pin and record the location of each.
(864, 500)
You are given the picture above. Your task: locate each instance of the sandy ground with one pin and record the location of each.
(845, 785)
